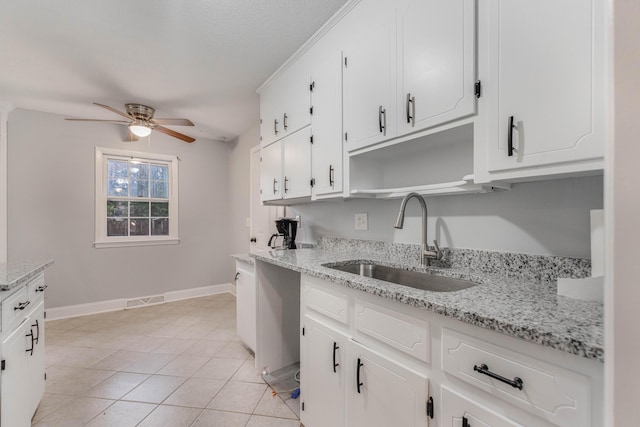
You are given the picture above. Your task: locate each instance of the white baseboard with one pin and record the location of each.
(120, 304)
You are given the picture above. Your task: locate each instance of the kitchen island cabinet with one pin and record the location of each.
(22, 342)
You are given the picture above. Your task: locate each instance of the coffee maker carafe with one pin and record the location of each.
(287, 228)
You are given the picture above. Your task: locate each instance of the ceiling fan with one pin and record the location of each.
(141, 122)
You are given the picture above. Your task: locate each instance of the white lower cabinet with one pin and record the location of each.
(22, 354)
(370, 361)
(246, 304)
(323, 374)
(458, 411)
(384, 392)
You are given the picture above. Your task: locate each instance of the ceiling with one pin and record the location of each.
(199, 59)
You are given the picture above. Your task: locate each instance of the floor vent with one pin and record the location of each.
(141, 302)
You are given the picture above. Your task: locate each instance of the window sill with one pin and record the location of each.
(125, 243)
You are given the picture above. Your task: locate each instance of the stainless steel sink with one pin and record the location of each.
(413, 279)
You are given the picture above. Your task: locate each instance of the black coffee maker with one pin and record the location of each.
(287, 228)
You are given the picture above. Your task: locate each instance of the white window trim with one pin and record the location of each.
(101, 238)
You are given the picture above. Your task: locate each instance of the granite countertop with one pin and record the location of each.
(526, 307)
(15, 274)
(245, 258)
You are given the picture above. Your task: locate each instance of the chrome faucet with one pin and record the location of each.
(426, 254)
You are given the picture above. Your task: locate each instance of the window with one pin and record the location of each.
(136, 198)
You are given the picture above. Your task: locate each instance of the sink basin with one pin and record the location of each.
(413, 279)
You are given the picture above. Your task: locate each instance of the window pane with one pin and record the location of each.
(139, 170)
(160, 226)
(117, 169)
(139, 227)
(117, 208)
(140, 209)
(159, 209)
(159, 190)
(117, 227)
(159, 173)
(118, 187)
(139, 188)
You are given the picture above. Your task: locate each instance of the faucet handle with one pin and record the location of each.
(438, 251)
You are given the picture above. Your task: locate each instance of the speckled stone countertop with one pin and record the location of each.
(516, 294)
(15, 274)
(245, 258)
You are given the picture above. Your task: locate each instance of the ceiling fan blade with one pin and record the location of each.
(174, 134)
(173, 122)
(120, 122)
(114, 110)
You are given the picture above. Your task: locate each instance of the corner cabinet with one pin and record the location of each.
(22, 354)
(545, 102)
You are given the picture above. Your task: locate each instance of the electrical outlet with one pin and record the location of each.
(361, 221)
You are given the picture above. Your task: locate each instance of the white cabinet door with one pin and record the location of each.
(271, 172)
(384, 393)
(35, 360)
(268, 113)
(322, 378)
(458, 411)
(15, 391)
(296, 97)
(246, 304)
(326, 122)
(546, 66)
(436, 62)
(297, 164)
(370, 74)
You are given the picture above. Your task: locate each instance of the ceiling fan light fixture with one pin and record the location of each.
(140, 129)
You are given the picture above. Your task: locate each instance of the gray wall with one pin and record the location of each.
(51, 212)
(239, 186)
(546, 217)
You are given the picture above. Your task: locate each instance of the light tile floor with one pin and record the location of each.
(176, 364)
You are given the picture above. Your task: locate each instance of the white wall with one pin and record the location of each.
(622, 294)
(51, 212)
(547, 217)
(239, 201)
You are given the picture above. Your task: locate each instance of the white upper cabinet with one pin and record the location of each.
(271, 172)
(297, 164)
(436, 62)
(369, 99)
(545, 81)
(285, 103)
(326, 121)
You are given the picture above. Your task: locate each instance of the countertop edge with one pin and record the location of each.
(27, 276)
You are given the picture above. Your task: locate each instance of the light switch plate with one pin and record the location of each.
(361, 222)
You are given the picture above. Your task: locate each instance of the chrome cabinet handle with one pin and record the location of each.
(510, 148)
(286, 181)
(335, 348)
(516, 382)
(331, 181)
(275, 181)
(382, 120)
(358, 382)
(411, 110)
(284, 121)
(21, 306)
(275, 126)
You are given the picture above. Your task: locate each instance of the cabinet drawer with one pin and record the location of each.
(332, 304)
(35, 290)
(456, 408)
(14, 309)
(555, 394)
(407, 334)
